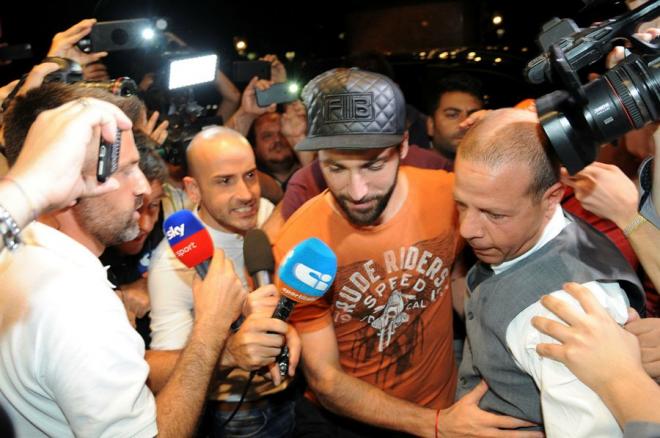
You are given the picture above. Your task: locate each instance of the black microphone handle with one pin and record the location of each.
(283, 309)
(202, 269)
(282, 312)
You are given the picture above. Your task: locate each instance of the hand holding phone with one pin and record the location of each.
(109, 36)
(277, 93)
(108, 162)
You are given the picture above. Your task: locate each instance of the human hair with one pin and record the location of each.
(25, 109)
(151, 164)
(463, 83)
(513, 136)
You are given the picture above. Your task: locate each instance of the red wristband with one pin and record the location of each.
(437, 417)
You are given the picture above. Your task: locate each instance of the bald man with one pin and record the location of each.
(507, 192)
(222, 182)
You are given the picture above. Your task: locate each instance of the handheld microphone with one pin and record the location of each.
(258, 257)
(190, 241)
(305, 274)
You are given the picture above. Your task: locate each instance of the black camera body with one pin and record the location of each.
(70, 72)
(580, 118)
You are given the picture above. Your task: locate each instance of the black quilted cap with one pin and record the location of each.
(353, 109)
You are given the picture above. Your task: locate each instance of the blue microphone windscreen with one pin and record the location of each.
(307, 271)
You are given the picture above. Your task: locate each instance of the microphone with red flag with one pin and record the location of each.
(190, 240)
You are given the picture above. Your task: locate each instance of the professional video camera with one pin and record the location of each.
(186, 118)
(174, 94)
(70, 72)
(580, 118)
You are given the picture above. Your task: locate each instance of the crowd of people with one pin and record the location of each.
(481, 290)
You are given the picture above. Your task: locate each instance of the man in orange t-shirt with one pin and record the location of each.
(378, 347)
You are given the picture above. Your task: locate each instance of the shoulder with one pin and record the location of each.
(265, 210)
(431, 176)
(306, 221)
(521, 332)
(430, 186)
(425, 159)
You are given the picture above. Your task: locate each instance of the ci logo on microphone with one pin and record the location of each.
(311, 277)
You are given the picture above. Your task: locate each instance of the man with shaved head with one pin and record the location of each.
(507, 192)
(222, 182)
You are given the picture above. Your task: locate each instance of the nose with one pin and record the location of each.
(147, 220)
(142, 186)
(461, 119)
(243, 192)
(357, 187)
(470, 225)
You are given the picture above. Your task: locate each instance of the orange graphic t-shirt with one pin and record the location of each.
(391, 300)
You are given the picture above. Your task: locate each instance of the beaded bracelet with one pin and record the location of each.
(634, 224)
(9, 230)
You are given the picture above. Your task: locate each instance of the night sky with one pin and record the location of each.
(319, 39)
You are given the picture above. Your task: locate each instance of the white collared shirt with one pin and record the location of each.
(570, 408)
(72, 365)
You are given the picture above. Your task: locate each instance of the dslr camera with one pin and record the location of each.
(580, 118)
(70, 72)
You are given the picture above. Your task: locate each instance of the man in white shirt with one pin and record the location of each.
(73, 365)
(223, 183)
(508, 192)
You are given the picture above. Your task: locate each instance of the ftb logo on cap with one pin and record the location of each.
(348, 107)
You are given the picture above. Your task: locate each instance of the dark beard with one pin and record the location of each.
(108, 226)
(280, 166)
(369, 217)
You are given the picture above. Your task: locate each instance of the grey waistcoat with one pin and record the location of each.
(579, 253)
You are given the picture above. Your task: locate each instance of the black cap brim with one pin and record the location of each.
(349, 141)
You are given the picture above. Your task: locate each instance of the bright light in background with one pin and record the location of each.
(290, 55)
(498, 60)
(148, 33)
(241, 45)
(161, 24)
(497, 19)
(500, 32)
(293, 88)
(471, 55)
(192, 71)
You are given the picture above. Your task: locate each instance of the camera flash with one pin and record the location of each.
(148, 33)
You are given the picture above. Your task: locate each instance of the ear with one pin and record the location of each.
(552, 198)
(404, 146)
(430, 126)
(192, 189)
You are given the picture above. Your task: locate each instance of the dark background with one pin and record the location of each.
(412, 34)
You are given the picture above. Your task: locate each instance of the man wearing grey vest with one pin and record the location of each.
(507, 192)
